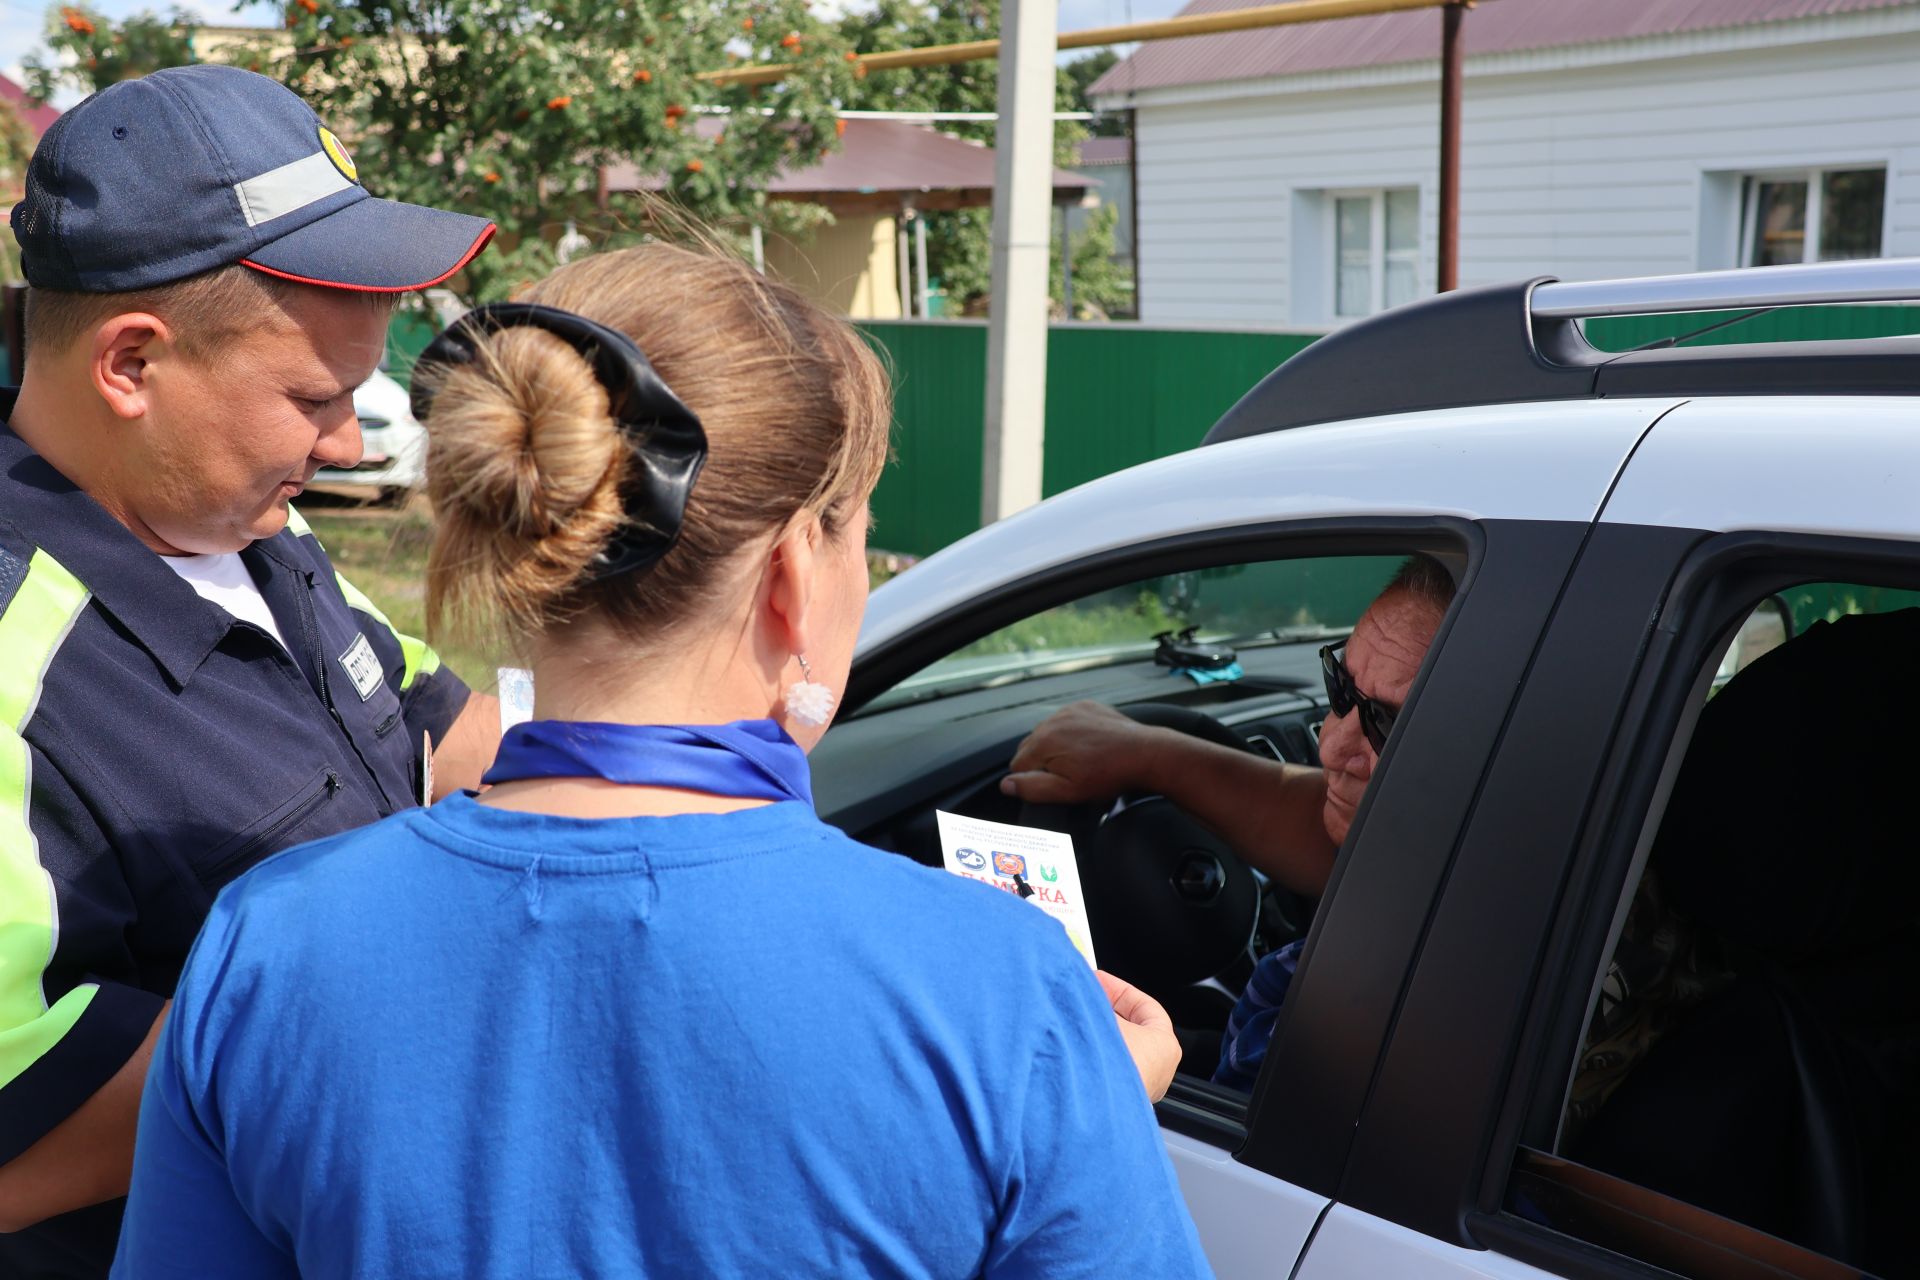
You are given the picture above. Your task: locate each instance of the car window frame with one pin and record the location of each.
(1300, 1119)
(879, 668)
(1712, 585)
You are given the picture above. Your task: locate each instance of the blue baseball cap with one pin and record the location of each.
(191, 168)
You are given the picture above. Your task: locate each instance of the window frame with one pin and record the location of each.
(1299, 1122)
(1378, 254)
(1746, 209)
(1713, 589)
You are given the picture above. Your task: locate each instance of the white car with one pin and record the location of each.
(1614, 524)
(394, 462)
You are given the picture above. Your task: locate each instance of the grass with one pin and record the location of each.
(384, 553)
(1081, 624)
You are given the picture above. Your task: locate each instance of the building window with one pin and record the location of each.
(1811, 215)
(1376, 256)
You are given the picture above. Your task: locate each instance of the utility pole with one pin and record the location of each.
(1022, 234)
(1450, 75)
(920, 262)
(1023, 189)
(1066, 261)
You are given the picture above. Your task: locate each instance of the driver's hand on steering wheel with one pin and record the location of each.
(1083, 753)
(1148, 1031)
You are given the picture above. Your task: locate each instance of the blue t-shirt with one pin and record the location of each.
(467, 1042)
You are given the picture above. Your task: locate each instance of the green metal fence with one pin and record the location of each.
(1786, 324)
(407, 336)
(1116, 395)
(1120, 394)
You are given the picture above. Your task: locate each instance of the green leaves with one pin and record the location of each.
(1102, 286)
(104, 52)
(511, 111)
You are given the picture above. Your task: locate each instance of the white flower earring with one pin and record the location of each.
(809, 703)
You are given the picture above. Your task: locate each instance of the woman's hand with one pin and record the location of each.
(1148, 1031)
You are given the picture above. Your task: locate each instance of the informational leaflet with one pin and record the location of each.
(1028, 862)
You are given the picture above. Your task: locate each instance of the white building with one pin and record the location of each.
(1290, 177)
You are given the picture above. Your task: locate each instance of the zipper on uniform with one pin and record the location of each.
(312, 629)
(308, 803)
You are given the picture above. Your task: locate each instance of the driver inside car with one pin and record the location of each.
(1288, 820)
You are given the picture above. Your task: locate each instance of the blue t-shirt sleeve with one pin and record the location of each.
(183, 1217)
(1092, 1192)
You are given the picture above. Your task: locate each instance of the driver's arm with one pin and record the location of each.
(1269, 812)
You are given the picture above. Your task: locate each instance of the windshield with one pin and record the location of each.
(1245, 605)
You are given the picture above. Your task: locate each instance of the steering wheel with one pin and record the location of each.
(1169, 902)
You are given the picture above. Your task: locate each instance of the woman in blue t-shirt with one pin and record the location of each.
(635, 1010)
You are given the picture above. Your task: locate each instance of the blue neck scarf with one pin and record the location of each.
(748, 759)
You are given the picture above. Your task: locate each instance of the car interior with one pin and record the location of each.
(1749, 1089)
(1229, 654)
(1749, 1085)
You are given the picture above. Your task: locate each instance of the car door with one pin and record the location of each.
(1505, 496)
(1729, 505)
(1412, 1182)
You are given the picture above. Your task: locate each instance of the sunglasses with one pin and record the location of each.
(1376, 718)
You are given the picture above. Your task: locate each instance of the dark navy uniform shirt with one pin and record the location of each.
(153, 747)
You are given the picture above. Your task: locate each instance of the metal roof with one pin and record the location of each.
(1101, 151)
(1503, 27)
(38, 115)
(881, 157)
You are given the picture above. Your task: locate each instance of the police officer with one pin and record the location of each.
(186, 685)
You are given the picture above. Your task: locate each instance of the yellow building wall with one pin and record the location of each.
(229, 44)
(851, 266)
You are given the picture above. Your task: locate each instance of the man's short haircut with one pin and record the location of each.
(1426, 580)
(206, 311)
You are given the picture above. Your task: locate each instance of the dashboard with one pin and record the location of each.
(883, 774)
(880, 775)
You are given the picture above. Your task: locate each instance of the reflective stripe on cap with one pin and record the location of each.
(289, 188)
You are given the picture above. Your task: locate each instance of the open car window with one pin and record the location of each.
(1232, 607)
(1230, 653)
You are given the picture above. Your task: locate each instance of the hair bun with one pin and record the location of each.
(523, 437)
(526, 464)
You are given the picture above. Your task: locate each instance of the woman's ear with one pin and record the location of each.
(790, 581)
(118, 361)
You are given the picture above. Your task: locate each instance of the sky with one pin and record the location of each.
(23, 21)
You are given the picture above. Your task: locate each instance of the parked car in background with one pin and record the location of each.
(1638, 539)
(395, 458)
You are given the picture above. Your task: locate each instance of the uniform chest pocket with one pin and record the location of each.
(366, 696)
(269, 833)
(383, 711)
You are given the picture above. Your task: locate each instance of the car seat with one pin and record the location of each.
(1786, 1099)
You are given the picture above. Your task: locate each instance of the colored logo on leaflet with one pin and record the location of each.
(1009, 865)
(971, 859)
(1049, 874)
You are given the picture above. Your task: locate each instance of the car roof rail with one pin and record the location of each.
(1506, 343)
